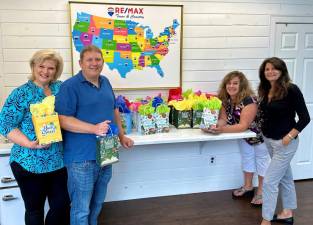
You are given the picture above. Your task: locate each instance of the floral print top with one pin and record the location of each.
(16, 114)
(233, 117)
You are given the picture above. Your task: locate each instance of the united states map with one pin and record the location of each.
(125, 44)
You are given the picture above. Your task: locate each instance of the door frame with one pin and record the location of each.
(284, 20)
(293, 20)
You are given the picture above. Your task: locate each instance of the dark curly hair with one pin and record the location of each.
(281, 85)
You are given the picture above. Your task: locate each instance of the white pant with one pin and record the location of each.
(254, 158)
(279, 178)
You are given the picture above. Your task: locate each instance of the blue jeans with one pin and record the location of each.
(87, 187)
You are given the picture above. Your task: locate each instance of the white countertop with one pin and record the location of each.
(174, 136)
(186, 135)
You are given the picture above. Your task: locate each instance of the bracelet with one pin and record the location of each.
(290, 136)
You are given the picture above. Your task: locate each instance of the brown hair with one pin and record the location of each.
(43, 55)
(90, 48)
(244, 87)
(281, 85)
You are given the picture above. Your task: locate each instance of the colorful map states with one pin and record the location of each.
(135, 57)
(76, 39)
(109, 44)
(120, 39)
(139, 32)
(93, 29)
(108, 56)
(81, 26)
(135, 47)
(97, 41)
(106, 33)
(122, 65)
(132, 38)
(126, 55)
(86, 38)
(120, 24)
(131, 27)
(149, 34)
(120, 31)
(175, 24)
(101, 22)
(125, 45)
(83, 17)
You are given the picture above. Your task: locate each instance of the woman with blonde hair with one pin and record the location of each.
(239, 113)
(38, 169)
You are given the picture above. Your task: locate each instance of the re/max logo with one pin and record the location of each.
(122, 10)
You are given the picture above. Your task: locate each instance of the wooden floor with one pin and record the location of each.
(216, 208)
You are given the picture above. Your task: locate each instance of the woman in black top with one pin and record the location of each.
(281, 100)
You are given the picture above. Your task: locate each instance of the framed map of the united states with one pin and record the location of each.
(141, 44)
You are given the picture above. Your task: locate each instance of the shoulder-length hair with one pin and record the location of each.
(281, 85)
(245, 89)
(43, 55)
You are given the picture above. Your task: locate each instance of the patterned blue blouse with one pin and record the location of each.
(15, 114)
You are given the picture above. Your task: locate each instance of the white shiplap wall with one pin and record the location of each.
(219, 36)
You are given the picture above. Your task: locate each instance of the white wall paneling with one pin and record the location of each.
(24, 55)
(178, 168)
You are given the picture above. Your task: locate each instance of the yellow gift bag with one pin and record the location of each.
(46, 121)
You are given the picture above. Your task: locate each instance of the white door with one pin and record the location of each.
(294, 44)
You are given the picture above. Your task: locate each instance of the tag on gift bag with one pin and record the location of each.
(209, 118)
(107, 147)
(46, 121)
(182, 118)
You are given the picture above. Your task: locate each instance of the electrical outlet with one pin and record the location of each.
(212, 160)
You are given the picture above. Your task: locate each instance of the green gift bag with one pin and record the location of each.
(196, 118)
(107, 148)
(182, 119)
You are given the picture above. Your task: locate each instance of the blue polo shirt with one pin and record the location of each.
(83, 100)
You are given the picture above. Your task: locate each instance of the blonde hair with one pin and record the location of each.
(43, 55)
(244, 87)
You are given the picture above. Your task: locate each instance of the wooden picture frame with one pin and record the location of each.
(141, 43)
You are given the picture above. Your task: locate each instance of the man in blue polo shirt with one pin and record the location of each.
(86, 107)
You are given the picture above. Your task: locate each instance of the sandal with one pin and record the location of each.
(257, 200)
(242, 192)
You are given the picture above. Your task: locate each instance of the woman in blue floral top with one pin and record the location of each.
(239, 113)
(38, 169)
